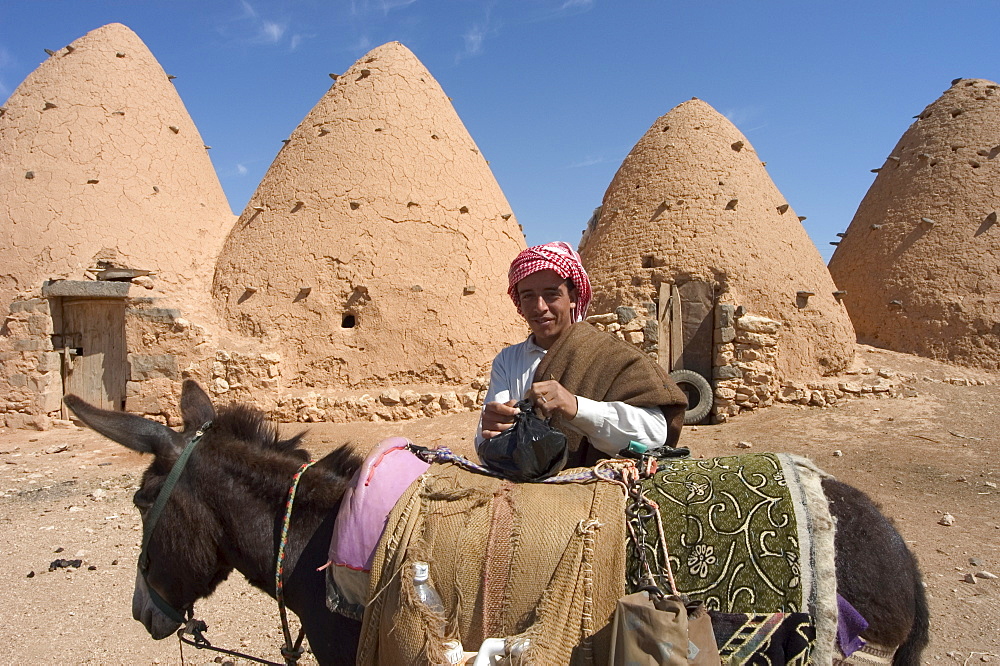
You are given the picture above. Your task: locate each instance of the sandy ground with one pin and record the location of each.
(66, 494)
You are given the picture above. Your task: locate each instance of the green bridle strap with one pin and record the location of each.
(154, 516)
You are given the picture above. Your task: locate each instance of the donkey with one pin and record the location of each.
(226, 511)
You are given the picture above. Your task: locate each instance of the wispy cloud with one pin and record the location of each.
(241, 170)
(272, 31)
(265, 30)
(742, 117)
(362, 43)
(581, 5)
(586, 162)
(383, 6)
(473, 38)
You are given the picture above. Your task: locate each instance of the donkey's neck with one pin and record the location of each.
(252, 533)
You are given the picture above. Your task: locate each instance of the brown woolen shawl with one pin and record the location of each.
(599, 366)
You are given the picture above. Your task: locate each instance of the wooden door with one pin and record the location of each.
(95, 366)
(686, 324)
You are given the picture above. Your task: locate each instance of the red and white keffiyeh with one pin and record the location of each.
(558, 257)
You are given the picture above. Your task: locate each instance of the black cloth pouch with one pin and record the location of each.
(530, 450)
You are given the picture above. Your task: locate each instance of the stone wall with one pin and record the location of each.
(32, 393)
(745, 374)
(164, 348)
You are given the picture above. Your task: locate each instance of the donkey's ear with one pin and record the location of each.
(196, 406)
(129, 430)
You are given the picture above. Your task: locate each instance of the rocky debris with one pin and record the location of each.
(947, 520)
(58, 448)
(986, 575)
(65, 564)
(838, 453)
(744, 445)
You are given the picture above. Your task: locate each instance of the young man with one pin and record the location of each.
(600, 391)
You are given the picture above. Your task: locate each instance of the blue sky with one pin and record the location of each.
(556, 92)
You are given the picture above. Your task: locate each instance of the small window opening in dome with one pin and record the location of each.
(348, 321)
(647, 261)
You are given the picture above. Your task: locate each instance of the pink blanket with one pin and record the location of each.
(382, 479)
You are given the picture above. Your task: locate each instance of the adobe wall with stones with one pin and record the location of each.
(101, 162)
(374, 252)
(746, 375)
(920, 261)
(164, 348)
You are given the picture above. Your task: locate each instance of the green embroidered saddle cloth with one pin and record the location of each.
(745, 534)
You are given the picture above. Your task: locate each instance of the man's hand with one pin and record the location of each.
(552, 398)
(497, 417)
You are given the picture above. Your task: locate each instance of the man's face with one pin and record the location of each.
(547, 305)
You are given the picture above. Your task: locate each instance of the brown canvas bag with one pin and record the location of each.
(656, 630)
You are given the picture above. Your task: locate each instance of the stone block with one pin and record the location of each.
(49, 401)
(634, 326)
(143, 404)
(724, 315)
(29, 305)
(757, 339)
(634, 337)
(40, 325)
(32, 345)
(726, 372)
(449, 401)
(157, 315)
(86, 288)
(603, 319)
(850, 387)
(50, 381)
(725, 393)
(651, 330)
(625, 314)
(48, 362)
(390, 397)
(469, 399)
(18, 381)
(151, 366)
(755, 324)
(724, 335)
(409, 397)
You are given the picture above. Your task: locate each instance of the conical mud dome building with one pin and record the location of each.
(920, 261)
(692, 203)
(375, 250)
(106, 188)
(102, 166)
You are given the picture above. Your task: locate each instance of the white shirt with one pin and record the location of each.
(609, 426)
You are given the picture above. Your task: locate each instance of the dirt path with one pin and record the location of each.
(65, 494)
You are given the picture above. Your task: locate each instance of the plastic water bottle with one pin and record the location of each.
(427, 595)
(425, 591)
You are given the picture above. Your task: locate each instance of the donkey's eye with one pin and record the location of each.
(141, 502)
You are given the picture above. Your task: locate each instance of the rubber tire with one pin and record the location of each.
(692, 383)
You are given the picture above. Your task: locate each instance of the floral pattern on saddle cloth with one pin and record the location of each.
(732, 532)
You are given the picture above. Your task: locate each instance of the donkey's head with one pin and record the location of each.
(182, 562)
(223, 505)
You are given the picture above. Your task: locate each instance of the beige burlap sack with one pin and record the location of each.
(545, 561)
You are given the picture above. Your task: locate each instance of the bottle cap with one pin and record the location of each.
(420, 571)
(454, 652)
